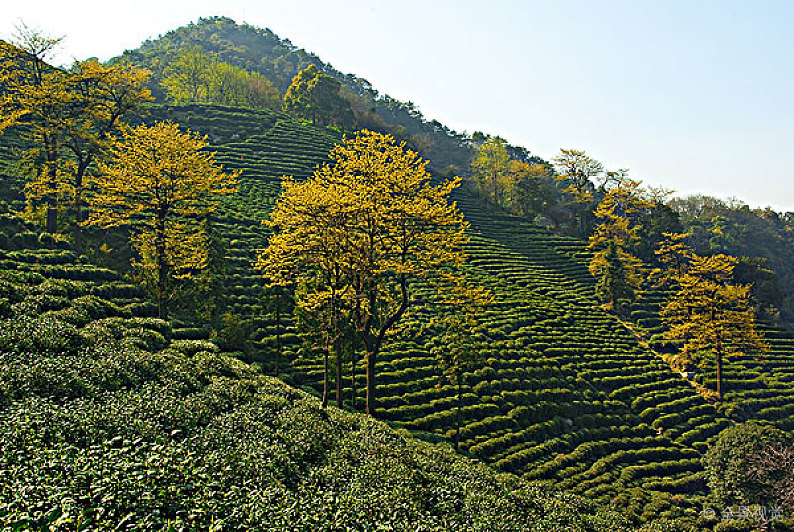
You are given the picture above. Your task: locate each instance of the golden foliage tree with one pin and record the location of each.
(365, 225)
(110, 92)
(708, 312)
(614, 239)
(66, 114)
(42, 101)
(159, 182)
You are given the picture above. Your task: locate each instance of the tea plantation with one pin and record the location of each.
(107, 422)
(104, 400)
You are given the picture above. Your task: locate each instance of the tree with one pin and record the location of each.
(314, 95)
(187, 78)
(67, 114)
(110, 93)
(613, 282)
(160, 183)
(373, 213)
(459, 347)
(578, 170)
(710, 314)
(279, 302)
(196, 76)
(532, 190)
(752, 463)
(490, 170)
(614, 239)
(42, 100)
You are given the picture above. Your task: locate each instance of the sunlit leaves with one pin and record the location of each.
(161, 183)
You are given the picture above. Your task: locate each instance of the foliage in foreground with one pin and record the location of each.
(104, 422)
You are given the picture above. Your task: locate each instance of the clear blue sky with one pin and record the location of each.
(697, 96)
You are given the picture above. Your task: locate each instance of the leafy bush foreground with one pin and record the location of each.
(107, 424)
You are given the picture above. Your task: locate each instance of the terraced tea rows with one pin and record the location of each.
(106, 422)
(567, 395)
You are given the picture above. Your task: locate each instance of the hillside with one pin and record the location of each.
(261, 50)
(569, 395)
(109, 422)
(103, 408)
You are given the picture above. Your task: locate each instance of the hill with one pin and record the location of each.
(107, 421)
(569, 396)
(262, 51)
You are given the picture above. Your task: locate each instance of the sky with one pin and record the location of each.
(695, 96)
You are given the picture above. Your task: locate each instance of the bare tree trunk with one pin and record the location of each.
(353, 389)
(278, 331)
(338, 352)
(457, 417)
(719, 373)
(162, 267)
(325, 377)
(371, 399)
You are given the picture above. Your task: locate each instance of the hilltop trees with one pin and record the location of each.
(577, 170)
(708, 313)
(359, 232)
(314, 95)
(516, 185)
(196, 76)
(160, 184)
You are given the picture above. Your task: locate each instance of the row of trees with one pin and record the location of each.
(196, 76)
(709, 313)
(157, 182)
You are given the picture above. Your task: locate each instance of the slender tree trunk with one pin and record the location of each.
(353, 389)
(325, 377)
(78, 206)
(52, 201)
(457, 417)
(278, 331)
(371, 399)
(162, 267)
(338, 353)
(719, 373)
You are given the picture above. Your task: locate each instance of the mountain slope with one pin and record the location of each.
(105, 422)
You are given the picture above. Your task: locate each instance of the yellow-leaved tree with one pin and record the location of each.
(109, 93)
(708, 312)
(615, 266)
(66, 115)
(41, 100)
(359, 231)
(160, 183)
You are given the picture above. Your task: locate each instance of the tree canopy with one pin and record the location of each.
(160, 183)
(359, 231)
(314, 95)
(708, 312)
